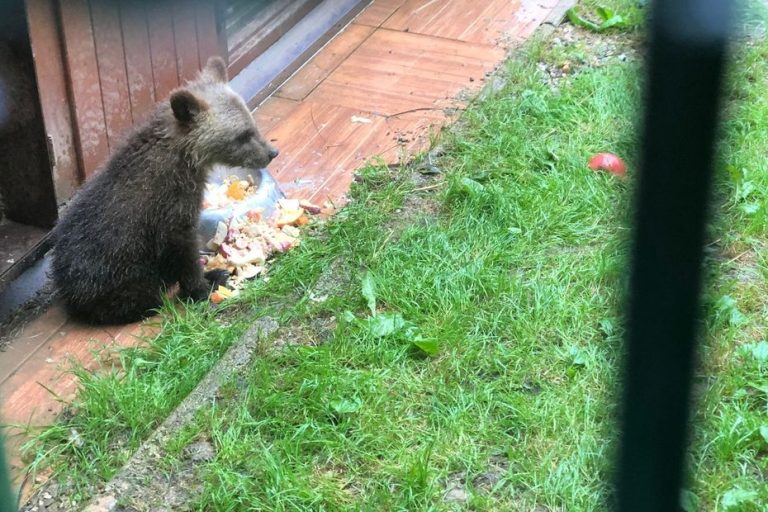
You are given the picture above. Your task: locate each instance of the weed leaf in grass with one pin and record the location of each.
(465, 189)
(578, 356)
(473, 187)
(369, 292)
(736, 497)
(750, 208)
(743, 186)
(759, 387)
(346, 406)
(428, 346)
(735, 174)
(606, 325)
(386, 324)
(575, 18)
(764, 433)
(745, 190)
(608, 17)
(758, 350)
(577, 359)
(689, 502)
(726, 305)
(609, 329)
(389, 324)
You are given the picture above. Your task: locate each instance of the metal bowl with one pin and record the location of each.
(266, 197)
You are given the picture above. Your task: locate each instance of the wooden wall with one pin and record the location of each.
(102, 65)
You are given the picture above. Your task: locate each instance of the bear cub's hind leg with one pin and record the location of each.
(133, 301)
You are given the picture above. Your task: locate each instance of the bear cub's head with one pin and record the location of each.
(215, 123)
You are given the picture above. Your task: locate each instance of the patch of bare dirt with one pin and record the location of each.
(312, 333)
(744, 267)
(458, 489)
(334, 279)
(574, 49)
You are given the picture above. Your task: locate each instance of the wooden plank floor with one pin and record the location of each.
(35, 377)
(402, 69)
(403, 65)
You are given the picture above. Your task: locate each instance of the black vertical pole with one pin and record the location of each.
(685, 74)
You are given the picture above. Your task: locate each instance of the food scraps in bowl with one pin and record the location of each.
(231, 190)
(262, 192)
(242, 245)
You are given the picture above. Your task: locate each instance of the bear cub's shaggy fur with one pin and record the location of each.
(131, 231)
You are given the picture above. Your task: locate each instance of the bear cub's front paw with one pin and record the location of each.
(201, 290)
(217, 277)
(196, 293)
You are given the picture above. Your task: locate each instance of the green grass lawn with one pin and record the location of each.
(453, 342)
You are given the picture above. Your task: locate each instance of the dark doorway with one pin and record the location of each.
(27, 199)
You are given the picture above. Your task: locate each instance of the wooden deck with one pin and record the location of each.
(407, 66)
(403, 67)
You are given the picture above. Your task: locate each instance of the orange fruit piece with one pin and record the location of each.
(236, 191)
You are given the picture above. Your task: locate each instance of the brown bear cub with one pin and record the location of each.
(131, 231)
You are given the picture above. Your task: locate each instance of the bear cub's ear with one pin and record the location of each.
(186, 105)
(215, 71)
